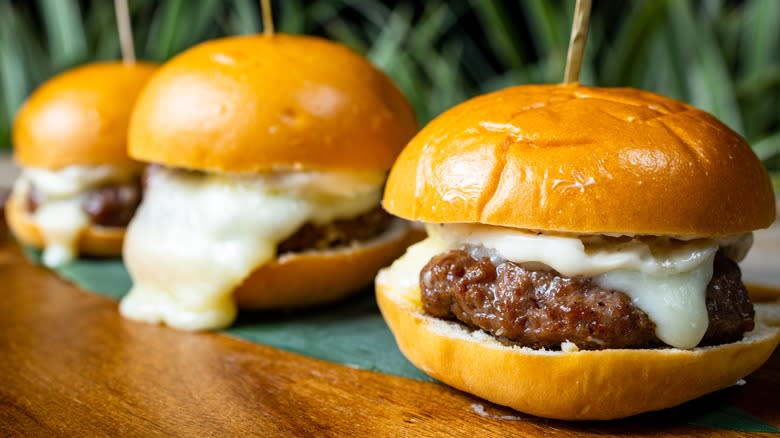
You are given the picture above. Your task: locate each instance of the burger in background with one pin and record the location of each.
(78, 188)
(581, 259)
(270, 154)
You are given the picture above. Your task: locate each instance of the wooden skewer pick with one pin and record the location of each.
(125, 31)
(579, 34)
(268, 17)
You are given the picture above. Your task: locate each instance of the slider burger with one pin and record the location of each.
(270, 154)
(581, 259)
(78, 188)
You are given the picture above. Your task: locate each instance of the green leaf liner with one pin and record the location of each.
(731, 418)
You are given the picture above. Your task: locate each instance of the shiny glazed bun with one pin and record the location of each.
(320, 276)
(579, 385)
(577, 159)
(252, 103)
(94, 241)
(79, 117)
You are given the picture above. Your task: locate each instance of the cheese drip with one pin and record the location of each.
(665, 278)
(196, 237)
(59, 216)
(61, 224)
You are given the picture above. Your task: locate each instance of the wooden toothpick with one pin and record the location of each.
(268, 17)
(125, 31)
(579, 34)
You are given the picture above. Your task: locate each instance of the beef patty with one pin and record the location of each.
(340, 232)
(108, 206)
(542, 309)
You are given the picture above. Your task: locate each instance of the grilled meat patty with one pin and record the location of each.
(542, 308)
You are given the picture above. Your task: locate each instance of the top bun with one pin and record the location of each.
(80, 117)
(569, 158)
(254, 103)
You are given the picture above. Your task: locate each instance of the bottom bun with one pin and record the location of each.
(572, 385)
(315, 277)
(94, 241)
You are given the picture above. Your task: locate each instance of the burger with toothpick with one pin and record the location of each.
(582, 250)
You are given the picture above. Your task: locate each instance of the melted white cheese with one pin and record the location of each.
(61, 223)
(59, 216)
(405, 271)
(570, 256)
(196, 237)
(666, 279)
(72, 181)
(675, 303)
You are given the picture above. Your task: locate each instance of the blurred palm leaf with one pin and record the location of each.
(65, 31)
(722, 56)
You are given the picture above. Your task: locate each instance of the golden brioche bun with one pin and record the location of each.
(253, 103)
(314, 277)
(581, 385)
(94, 241)
(578, 159)
(79, 117)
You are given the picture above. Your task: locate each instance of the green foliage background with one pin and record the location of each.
(723, 56)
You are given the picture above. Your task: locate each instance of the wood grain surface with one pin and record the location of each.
(70, 366)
